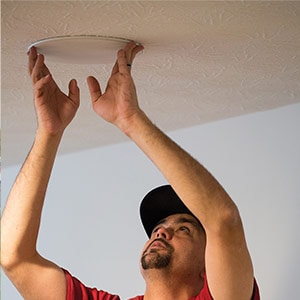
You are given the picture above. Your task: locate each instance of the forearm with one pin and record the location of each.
(200, 191)
(21, 218)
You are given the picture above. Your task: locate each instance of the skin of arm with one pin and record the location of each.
(34, 276)
(228, 264)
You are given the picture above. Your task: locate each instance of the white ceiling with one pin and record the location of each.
(203, 61)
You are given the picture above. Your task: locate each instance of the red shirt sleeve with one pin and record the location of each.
(255, 295)
(205, 293)
(76, 290)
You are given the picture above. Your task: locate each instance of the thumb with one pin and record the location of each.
(94, 88)
(74, 91)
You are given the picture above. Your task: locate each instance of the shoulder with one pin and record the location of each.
(76, 290)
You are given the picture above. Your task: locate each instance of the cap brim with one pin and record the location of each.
(158, 204)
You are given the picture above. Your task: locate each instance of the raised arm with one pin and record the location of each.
(34, 276)
(228, 263)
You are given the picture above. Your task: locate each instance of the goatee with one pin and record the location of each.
(156, 260)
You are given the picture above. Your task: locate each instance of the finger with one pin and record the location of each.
(39, 69)
(128, 51)
(74, 91)
(40, 86)
(115, 69)
(32, 56)
(135, 51)
(122, 62)
(36, 73)
(94, 88)
(131, 51)
(126, 57)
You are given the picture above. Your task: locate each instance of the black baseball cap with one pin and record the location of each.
(158, 204)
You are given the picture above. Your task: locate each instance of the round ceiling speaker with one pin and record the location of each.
(80, 49)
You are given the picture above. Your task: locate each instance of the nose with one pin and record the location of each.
(164, 232)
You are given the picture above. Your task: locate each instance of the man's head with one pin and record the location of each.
(176, 237)
(160, 203)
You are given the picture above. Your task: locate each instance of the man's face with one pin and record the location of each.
(177, 242)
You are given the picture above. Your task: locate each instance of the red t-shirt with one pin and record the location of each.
(76, 290)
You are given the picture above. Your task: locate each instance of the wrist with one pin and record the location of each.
(50, 138)
(134, 123)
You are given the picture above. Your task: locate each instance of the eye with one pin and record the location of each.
(184, 229)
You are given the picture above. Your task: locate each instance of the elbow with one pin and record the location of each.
(228, 221)
(11, 259)
(8, 261)
(231, 217)
(14, 253)
(8, 252)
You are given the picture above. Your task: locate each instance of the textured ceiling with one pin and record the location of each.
(203, 61)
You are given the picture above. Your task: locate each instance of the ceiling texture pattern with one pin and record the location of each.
(203, 61)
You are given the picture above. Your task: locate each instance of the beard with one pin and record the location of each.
(155, 259)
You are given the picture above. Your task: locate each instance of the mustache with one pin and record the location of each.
(168, 246)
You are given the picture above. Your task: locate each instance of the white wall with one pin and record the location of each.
(91, 224)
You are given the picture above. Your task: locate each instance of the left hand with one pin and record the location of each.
(54, 109)
(119, 101)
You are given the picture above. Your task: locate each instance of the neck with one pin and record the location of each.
(163, 285)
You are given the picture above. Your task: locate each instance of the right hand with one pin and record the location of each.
(54, 109)
(119, 101)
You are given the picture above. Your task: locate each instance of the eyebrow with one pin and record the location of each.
(187, 220)
(195, 223)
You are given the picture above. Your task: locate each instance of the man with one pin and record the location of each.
(183, 259)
